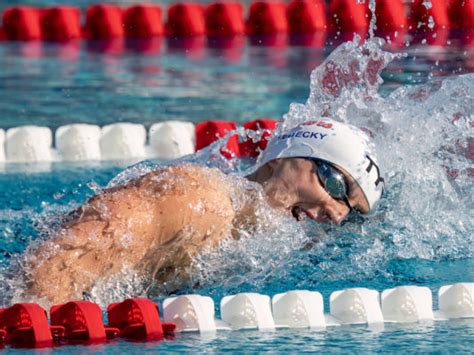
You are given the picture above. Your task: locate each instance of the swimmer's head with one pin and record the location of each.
(342, 159)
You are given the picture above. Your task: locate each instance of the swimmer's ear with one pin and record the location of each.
(272, 167)
(272, 164)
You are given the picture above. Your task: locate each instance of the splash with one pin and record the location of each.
(350, 74)
(422, 134)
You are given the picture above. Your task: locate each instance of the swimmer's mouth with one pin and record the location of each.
(300, 214)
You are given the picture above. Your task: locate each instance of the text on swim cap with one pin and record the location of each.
(323, 124)
(369, 168)
(304, 134)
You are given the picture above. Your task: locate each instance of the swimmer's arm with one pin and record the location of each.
(89, 247)
(66, 266)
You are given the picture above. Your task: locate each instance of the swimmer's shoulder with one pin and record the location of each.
(185, 179)
(188, 176)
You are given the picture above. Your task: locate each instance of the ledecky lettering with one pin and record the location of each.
(304, 134)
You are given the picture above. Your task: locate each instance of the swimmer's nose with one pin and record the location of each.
(336, 214)
(333, 213)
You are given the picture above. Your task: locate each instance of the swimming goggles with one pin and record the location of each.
(332, 181)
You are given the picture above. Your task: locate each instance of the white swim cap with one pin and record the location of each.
(335, 142)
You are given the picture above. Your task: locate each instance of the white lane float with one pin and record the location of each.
(172, 139)
(299, 309)
(29, 144)
(78, 142)
(247, 311)
(305, 309)
(356, 306)
(2, 145)
(123, 141)
(457, 300)
(192, 313)
(407, 304)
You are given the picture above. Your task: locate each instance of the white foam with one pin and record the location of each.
(407, 304)
(172, 139)
(247, 311)
(192, 313)
(123, 141)
(457, 301)
(76, 142)
(356, 306)
(299, 309)
(28, 144)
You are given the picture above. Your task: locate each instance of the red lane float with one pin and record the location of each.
(267, 18)
(104, 22)
(225, 19)
(143, 21)
(306, 16)
(427, 16)
(82, 321)
(186, 20)
(347, 16)
(461, 14)
(61, 23)
(26, 325)
(138, 319)
(22, 23)
(250, 148)
(3, 333)
(467, 40)
(209, 131)
(390, 15)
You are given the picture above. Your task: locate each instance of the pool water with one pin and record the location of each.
(155, 80)
(422, 233)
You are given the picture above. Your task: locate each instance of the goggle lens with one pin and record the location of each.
(332, 180)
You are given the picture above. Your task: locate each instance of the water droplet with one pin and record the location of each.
(427, 4)
(431, 23)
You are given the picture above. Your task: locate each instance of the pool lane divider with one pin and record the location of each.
(224, 19)
(25, 325)
(129, 141)
(137, 319)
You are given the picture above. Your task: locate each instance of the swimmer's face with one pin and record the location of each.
(294, 186)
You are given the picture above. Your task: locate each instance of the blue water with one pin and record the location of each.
(100, 83)
(105, 82)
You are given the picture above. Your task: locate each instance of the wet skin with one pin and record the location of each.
(157, 223)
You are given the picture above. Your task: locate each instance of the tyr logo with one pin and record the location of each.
(369, 168)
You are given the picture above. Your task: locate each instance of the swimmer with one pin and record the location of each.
(157, 223)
